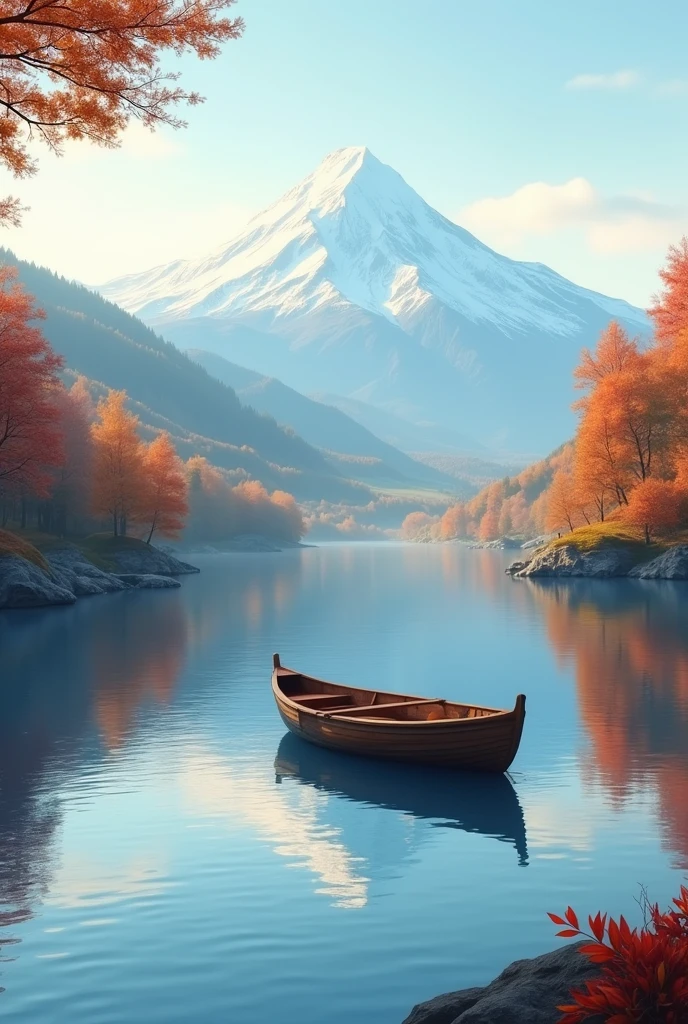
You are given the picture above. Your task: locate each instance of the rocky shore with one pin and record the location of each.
(608, 562)
(69, 574)
(527, 992)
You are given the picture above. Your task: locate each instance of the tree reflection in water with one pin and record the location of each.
(628, 642)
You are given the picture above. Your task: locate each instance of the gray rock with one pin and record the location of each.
(517, 567)
(567, 560)
(71, 575)
(672, 565)
(527, 992)
(147, 560)
(537, 542)
(444, 1009)
(147, 581)
(73, 570)
(25, 585)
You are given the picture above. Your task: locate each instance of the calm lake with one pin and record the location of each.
(166, 855)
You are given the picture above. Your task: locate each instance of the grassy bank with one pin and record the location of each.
(611, 534)
(98, 548)
(13, 544)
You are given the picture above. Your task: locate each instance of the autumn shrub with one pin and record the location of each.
(643, 971)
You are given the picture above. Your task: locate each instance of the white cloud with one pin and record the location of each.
(622, 223)
(611, 80)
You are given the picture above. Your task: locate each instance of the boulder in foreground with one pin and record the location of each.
(526, 992)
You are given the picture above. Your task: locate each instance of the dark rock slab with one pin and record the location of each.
(526, 992)
(147, 581)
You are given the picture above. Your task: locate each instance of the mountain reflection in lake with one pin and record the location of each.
(167, 854)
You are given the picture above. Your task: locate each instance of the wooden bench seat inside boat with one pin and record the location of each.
(324, 700)
(394, 709)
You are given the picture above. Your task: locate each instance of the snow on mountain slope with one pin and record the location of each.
(352, 283)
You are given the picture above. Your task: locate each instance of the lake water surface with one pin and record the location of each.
(167, 856)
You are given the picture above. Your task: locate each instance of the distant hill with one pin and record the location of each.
(403, 433)
(116, 350)
(323, 426)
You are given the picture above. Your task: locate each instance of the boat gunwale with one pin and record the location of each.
(494, 713)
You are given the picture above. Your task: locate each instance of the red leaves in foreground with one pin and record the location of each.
(644, 973)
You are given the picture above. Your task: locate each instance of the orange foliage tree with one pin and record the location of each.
(70, 493)
(220, 511)
(614, 353)
(164, 503)
(119, 484)
(30, 433)
(414, 524)
(82, 70)
(563, 504)
(489, 524)
(453, 523)
(670, 310)
(654, 506)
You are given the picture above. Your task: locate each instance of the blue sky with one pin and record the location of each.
(555, 132)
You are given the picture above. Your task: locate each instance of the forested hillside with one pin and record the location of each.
(628, 461)
(114, 349)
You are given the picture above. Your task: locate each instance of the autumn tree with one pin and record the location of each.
(614, 352)
(654, 506)
(414, 524)
(563, 505)
(489, 524)
(71, 487)
(164, 501)
(119, 464)
(453, 522)
(293, 526)
(81, 70)
(670, 309)
(30, 433)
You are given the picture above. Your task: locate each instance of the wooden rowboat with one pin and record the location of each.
(396, 726)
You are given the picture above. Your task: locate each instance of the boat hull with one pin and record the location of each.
(482, 744)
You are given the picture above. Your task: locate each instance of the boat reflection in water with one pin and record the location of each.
(484, 803)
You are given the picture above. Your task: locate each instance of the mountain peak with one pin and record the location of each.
(376, 294)
(326, 185)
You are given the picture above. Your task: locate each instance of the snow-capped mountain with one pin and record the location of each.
(352, 284)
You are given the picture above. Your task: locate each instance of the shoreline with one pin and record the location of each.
(618, 561)
(64, 574)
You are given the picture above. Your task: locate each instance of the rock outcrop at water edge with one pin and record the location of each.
(70, 575)
(527, 992)
(567, 560)
(672, 565)
(605, 563)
